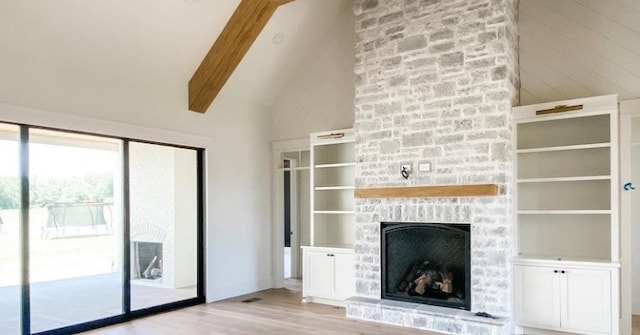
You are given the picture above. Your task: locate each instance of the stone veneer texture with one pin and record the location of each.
(435, 82)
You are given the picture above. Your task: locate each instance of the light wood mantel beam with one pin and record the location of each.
(429, 191)
(227, 51)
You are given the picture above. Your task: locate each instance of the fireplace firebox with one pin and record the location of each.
(147, 260)
(427, 263)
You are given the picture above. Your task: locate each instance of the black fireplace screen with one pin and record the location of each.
(426, 263)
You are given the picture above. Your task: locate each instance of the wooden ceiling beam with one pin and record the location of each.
(227, 51)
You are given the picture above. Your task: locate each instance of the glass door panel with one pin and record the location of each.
(9, 230)
(76, 230)
(163, 219)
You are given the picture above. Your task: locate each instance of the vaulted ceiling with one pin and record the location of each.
(149, 43)
(568, 49)
(579, 48)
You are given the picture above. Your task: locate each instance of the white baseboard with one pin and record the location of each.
(230, 291)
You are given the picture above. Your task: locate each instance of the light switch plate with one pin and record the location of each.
(424, 166)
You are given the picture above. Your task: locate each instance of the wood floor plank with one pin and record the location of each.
(279, 311)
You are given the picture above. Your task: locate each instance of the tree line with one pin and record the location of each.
(44, 191)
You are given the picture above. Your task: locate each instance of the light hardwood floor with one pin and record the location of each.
(278, 312)
(636, 325)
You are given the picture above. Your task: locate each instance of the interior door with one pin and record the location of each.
(291, 217)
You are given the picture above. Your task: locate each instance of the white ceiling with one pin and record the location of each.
(146, 43)
(578, 48)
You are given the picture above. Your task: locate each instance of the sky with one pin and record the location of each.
(49, 161)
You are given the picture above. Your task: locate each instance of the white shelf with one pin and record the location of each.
(562, 179)
(334, 188)
(566, 212)
(535, 259)
(334, 165)
(348, 248)
(564, 148)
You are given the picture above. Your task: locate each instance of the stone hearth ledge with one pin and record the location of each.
(425, 317)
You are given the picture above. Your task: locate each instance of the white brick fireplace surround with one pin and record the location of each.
(435, 82)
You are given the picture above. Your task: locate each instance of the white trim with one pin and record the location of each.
(37, 117)
(565, 148)
(628, 110)
(567, 212)
(561, 179)
(334, 165)
(295, 221)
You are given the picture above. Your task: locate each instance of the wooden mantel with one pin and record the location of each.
(480, 190)
(232, 44)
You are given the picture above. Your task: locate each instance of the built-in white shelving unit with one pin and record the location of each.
(567, 232)
(333, 183)
(328, 274)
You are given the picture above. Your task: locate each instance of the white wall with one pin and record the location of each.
(239, 230)
(186, 218)
(320, 95)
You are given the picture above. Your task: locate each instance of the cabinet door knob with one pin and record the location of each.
(330, 255)
(562, 271)
(555, 271)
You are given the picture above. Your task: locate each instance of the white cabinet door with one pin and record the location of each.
(586, 300)
(318, 276)
(537, 297)
(344, 275)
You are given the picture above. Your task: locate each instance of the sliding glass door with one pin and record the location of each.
(75, 228)
(10, 278)
(95, 230)
(163, 193)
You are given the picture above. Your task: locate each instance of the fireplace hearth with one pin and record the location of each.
(426, 263)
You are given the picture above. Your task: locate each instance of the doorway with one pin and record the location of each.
(291, 208)
(295, 194)
(290, 219)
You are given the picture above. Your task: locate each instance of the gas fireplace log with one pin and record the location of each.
(422, 279)
(146, 273)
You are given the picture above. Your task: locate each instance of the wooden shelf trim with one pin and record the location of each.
(429, 191)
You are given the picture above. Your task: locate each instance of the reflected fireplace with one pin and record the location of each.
(427, 263)
(147, 260)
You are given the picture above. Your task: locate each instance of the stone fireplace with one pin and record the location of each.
(435, 82)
